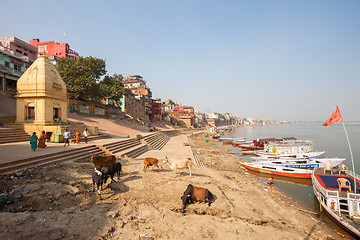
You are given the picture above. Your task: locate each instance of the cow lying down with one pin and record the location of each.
(196, 194)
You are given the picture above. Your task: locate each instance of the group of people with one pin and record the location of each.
(40, 141)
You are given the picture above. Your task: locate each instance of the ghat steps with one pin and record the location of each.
(10, 135)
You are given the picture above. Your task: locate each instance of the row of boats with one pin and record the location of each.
(336, 188)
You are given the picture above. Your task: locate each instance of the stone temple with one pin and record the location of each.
(41, 98)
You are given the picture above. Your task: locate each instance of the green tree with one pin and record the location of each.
(112, 87)
(82, 75)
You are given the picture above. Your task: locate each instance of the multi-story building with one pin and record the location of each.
(20, 49)
(156, 109)
(137, 86)
(53, 48)
(12, 62)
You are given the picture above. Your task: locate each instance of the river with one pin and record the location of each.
(331, 139)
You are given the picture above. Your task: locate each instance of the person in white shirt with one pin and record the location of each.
(86, 134)
(66, 137)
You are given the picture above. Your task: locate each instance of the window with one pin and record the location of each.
(55, 114)
(42, 49)
(25, 53)
(17, 67)
(7, 64)
(31, 113)
(17, 50)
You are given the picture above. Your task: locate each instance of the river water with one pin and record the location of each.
(331, 139)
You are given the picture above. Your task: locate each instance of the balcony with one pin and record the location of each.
(8, 70)
(13, 54)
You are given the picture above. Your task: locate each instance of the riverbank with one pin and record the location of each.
(57, 202)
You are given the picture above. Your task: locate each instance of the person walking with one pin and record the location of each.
(66, 137)
(86, 134)
(42, 140)
(77, 136)
(33, 141)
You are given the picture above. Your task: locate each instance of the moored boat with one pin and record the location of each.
(279, 170)
(342, 206)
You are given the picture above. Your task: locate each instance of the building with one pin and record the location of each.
(156, 109)
(20, 49)
(137, 86)
(41, 98)
(11, 69)
(53, 48)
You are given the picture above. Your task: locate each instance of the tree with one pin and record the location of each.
(112, 87)
(82, 75)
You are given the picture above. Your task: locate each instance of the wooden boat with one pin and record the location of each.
(303, 181)
(342, 206)
(304, 163)
(228, 141)
(279, 170)
(294, 155)
(259, 144)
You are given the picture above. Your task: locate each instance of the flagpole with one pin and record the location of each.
(353, 166)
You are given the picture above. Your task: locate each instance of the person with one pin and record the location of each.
(66, 137)
(86, 134)
(33, 141)
(42, 140)
(270, 181)
(77, 136)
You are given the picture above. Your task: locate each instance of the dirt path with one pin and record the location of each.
(57, 203)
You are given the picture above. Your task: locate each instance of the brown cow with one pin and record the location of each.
(100, 161)
(196, 194)
(151, 162)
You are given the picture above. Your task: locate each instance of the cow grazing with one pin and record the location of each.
(151, 162)
(98, 179)
(179, 163)
(196, 194)
(112, 169)
(100, 161)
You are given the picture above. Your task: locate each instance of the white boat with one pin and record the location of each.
(286, 147)
(294, 155)
(305, 163)
(342, 206)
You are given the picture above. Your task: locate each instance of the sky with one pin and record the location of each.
(289, 60)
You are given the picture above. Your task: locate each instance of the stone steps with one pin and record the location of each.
(156, 140)
(128, 147)
(57, 157)
(10, 135)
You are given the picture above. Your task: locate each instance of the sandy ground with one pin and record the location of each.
(57, 202)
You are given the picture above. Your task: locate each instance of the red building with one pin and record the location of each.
(156, 109)
(52, 48)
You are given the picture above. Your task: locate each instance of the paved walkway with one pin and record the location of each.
(15, 151)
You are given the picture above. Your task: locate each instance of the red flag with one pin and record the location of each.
(334, 118)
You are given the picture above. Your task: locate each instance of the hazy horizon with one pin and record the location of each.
(278, 60)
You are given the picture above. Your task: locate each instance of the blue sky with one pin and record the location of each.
(281, 60)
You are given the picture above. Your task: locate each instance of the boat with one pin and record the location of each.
(227, 141)
(295, 155)
(305, 163)
(259, 144)
(334, 189)
(286, 147)
(280, 170)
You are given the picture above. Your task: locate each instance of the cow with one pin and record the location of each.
(151, 162)
(98, 179)
(112, 169)
(196, 194)
(179, 163)
(100, 161)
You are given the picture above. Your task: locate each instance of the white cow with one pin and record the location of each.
(179, 163)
